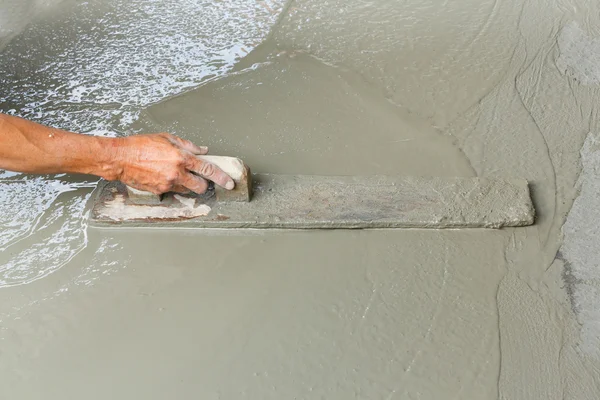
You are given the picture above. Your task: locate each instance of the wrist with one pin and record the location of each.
(109, 161)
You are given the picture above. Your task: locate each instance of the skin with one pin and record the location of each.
(157, 163)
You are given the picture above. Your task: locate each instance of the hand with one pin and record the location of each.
(162, 162)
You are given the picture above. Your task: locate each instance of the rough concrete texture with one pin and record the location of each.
(328, 202)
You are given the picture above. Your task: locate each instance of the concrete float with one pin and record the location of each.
(263, 201)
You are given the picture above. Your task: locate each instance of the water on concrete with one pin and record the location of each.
(474, 88)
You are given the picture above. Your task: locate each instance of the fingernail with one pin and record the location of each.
(203, 148)
(230, 185)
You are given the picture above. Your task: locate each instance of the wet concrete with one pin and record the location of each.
(427, 88)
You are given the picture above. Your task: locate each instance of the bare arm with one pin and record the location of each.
(155, 162)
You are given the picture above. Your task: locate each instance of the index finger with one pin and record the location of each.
(186, 144)
(210, 171)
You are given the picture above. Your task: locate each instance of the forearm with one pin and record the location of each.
(33, 148)
(155, 162)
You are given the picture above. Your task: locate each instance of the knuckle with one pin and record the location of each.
(207, 169)
(172, 177)
(202, 186)
(164, 188)
(198, 185)
(200, 189)
(182, 160)
(168, 138)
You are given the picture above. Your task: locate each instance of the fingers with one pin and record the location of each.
(210, 172)
(180, 170)
(181, 189)
(194, 183)
(186, 145)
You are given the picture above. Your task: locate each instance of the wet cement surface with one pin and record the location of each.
(419, 88)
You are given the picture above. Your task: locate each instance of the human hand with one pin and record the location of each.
(162, 162)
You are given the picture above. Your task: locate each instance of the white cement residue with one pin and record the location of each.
(580, 247)
(22, 204)
(579, 55)
(116, 210)
(59, 236)
(187, 201)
